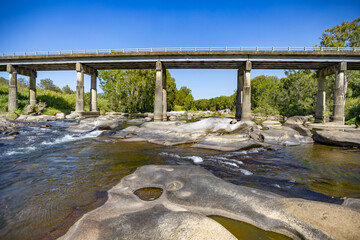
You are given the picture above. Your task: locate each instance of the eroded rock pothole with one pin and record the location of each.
(149, 193)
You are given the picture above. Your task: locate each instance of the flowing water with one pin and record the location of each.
(49, 177)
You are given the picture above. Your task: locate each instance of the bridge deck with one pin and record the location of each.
(186, 60)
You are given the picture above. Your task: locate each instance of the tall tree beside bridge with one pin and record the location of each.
(134, 90)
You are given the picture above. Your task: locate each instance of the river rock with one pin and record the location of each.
(136, 121)
(302, 130)
(107, 123)
(60, 116)
(232, 142)
(172, 118)
(30, 109)
(190, 194)
(284, 136)
(177, 132)
(297, 120)
(148, 119)
(84, 125)
(11, 116)
(271, 123)
(338, 138)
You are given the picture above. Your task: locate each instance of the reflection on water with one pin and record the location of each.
(44, 190)
(246, 231)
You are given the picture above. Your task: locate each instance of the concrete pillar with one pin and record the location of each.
(320, 97)
(93, 94)
(164, 96)
(339, 94)
(80, 92)
(246, 98)
(12, 101)
(32, 90)
(239, 92)
(158, 105)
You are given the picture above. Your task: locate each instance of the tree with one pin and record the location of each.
(181, 95)
(134, 90)
(265, 92)
(297, 92)
(189, 102)
(67, 90)
(345, 35)
(47, 84)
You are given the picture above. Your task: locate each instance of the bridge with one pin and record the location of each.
(326, 60)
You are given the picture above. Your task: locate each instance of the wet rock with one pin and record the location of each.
(303, 131)
(297, 120)
(45, 126)
(338, 138)
(284, 136)
(180, 213)
(233, 142)
(11, 116)
(84, 125)
(106, 123)
(271, 123)
(136, 121)
(30, 109)
(12, 133)
(60, 116)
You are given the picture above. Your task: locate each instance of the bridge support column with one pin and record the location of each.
(93, 94)
(164, 96)
(246, 98)
(32, 90)
(320, 97)
(339, 94)
(79, 107)
(13, 101)
(239, 93)
(160, 98)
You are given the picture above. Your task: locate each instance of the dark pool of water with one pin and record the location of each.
(50, 178)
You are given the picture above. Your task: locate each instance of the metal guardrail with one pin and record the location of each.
(180, 49)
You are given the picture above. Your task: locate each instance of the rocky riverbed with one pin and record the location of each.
(184, 214)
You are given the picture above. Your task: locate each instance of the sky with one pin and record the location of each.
(27, 26)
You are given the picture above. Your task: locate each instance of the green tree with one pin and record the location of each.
(48, 84)
(265, 92)
(345, 35)
(67, 90)
(189, 102)
(134, 90)
(297, 92)
(181, 95)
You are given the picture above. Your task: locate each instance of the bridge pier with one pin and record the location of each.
(13, 101)
(13, 72)
(81, 70)
(160, 104)
(93, 94)
(239, 93)
(320, 97)
(339, 94)
(246, 92)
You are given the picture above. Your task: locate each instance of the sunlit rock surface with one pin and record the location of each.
(338, 138)
(190, 194)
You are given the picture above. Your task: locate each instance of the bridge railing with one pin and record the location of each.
(180, 49)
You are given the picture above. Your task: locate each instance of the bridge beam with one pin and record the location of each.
(160, 113)
(246, 92)
(339, 94)
(320, 97)
(13, 71)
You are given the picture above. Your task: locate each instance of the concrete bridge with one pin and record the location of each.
(325, 60)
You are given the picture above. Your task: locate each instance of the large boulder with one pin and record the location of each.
(271, 123)
(108, 122)
(190, 193)
(338, 138)
(178, 132)
(232, 142)
(298, 123)
(284, 136)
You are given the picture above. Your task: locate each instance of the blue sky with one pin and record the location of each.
(77, 25)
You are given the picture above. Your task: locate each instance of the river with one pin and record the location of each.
(49, 177)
